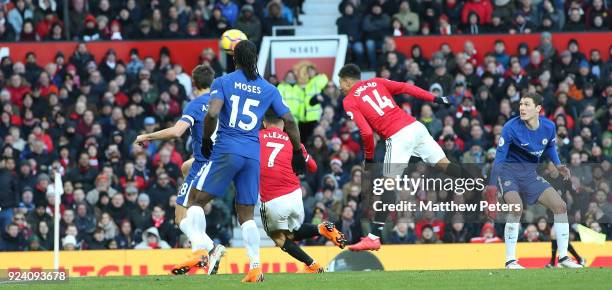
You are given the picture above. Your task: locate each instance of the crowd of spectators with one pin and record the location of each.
(81, 117)
(368, 22)
(43, 20)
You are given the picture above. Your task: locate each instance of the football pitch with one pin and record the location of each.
(587, 279)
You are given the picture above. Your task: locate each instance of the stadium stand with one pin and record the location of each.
(82, 115)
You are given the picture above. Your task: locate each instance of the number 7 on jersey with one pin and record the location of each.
(277, 148)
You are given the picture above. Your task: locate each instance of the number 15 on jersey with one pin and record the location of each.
(246, 111)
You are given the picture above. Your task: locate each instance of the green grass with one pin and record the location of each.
(584, 279)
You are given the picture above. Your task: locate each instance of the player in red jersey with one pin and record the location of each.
(282, 211)
(370, 104)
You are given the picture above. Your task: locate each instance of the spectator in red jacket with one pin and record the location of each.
(487, 235)
(18, 88)
(482, 8)
(429, 219)
(43, 27)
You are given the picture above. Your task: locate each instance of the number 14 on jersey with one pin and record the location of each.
(381, 103)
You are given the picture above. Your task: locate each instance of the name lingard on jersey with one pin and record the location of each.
(276, 135)
(362, 88)
(247, 88)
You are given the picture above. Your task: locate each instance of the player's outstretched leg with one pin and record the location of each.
(553, 201)
(250, 235)
(511, 229)
(330, 232)
(282, 239)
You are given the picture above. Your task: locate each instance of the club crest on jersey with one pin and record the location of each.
(501, 141)
(545, 141)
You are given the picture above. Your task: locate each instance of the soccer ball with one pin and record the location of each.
(230, 38)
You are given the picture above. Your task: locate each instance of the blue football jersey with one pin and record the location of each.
(520, 149)
(245, 103)
(194, 114)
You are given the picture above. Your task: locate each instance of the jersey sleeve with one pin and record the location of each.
(367, 135)
(503, 146)
(311, 164)
(189, 115)
(278, 105)
(551, 148)
(396, 88)
(216, 90)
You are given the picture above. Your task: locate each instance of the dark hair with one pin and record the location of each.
(271, 117)
(245, 56)
(350, 71)
(203, 76)
(537, 98)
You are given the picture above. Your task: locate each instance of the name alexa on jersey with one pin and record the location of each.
(275, 135)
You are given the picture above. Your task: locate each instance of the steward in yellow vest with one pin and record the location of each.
(293, 95)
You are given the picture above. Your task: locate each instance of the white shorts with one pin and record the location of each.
(283, 213)
(413, 139)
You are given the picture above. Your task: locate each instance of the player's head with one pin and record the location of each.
(530, 106)
(349, 74)
(202, 76)
(245, 57)
(272, 120)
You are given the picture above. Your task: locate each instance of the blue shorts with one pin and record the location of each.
(529, 187)
(190, 181)
(227, 167)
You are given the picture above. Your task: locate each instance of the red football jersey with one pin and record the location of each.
(370, 104)
(276, 173)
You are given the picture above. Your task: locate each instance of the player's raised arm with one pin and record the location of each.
(212, 117)
(175, 131)
(396, 88)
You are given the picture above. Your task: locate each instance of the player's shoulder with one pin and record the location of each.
(546, 123)
(513, 122)
(197, 102)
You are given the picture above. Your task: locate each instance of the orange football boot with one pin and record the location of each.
(197, 259)
(315, 268)
(329, 231)
(253, 276)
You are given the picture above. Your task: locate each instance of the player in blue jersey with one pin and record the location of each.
(186, 217)
(238, 102)
(525, 142)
